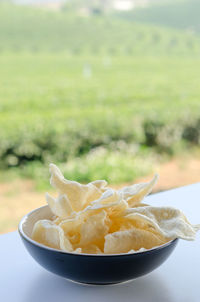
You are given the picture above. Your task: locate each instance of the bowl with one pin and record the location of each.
(89, 268)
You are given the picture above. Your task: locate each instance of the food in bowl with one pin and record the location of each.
(95, 219)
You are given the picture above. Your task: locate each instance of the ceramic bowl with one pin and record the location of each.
(87, 268)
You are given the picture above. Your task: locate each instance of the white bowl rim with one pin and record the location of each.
(29, 239)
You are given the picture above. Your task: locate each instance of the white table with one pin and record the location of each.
(177, 280)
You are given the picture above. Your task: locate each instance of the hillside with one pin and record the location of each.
(179, 14)
(33, 30)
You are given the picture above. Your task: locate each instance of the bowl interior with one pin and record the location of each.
(27, 223)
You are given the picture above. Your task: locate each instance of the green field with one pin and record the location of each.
(103, 98)
(54, 111)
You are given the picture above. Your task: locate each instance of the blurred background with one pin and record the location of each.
(105, 89)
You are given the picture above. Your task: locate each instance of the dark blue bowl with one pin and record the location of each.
(87, 268)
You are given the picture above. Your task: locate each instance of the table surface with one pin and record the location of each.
(177, 280)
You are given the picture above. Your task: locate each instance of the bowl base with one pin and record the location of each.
(95, 284)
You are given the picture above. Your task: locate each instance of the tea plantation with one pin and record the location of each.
(101, 97)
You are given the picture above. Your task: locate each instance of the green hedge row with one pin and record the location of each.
(46, 143)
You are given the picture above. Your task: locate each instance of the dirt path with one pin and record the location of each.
(19, 197)
(176, 173)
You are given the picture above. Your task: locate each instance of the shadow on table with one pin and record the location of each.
(48, 287)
